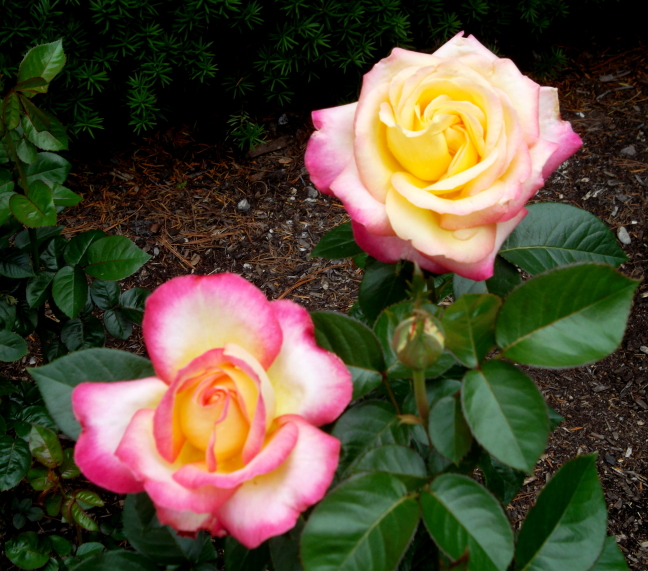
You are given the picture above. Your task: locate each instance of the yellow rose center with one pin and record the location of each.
(434, 135)
(217, 409)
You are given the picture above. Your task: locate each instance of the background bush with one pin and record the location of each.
(143, 61)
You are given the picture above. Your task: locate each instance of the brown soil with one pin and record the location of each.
(196, 207)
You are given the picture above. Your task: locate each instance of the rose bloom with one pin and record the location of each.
(224, 437)
(437, 158)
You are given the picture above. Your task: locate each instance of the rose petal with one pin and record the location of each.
(297, 484)
(421, 227)
(391, 249)
(362, 207)
(374, 161)
(190, 315)
(273, 454)
(105, 411)
(330, 148)
(459, 46)
(555, 130)
(389, 67)
(308, 381)
(137, 450)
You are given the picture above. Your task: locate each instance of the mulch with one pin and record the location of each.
(198, 206)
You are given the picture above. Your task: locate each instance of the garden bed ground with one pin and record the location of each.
(197, 207)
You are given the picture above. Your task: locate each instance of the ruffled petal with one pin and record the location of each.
(421, 227)
(554, 129)
(137, 450)
(105, 410)
(389, 67)
(391, 249)
(330, 148)
(459, 46)
(190, 315)
(284, 493)
(308, 381)
(374, 161)
(359, 203)
(274, 453)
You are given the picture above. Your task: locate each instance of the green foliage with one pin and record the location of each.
(139, 61)
(483, 412)
(43, 276)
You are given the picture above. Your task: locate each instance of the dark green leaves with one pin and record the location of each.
(364, 427)
(38, 288)
(16, 460)
(36, 208)
(393, 459)
(565, 529)
(114, 258)
(448, 430)
(28, 550)
(507, 414)
(15, 264)
(355, 344)
(382, 285)
(12, 346)
(338, 243)
(49, 137)
(469, 325)
(83, 333)
(240, 558)
(48, 167)
(57, 379)
(159, 542)
(367, 522)
(11, 111)
(45, 446)
(566, 317)
(462, 516)
(70, 290)
(105, 294)
(555, 234)
(117, 324)
(132, 303)
(611, 558)
(77, 248)
(44, 61)
(113, 560)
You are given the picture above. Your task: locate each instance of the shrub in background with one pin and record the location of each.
(143, 61)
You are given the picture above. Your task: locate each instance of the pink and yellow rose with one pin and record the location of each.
(224, 437)
(438, 157)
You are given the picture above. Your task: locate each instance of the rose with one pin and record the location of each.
(436, 160)
(224, 438)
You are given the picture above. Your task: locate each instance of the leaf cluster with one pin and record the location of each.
(43, 274)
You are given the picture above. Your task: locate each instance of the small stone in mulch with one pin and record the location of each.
(243, 205)
(629, 151)
(623, 235)
(610, 459)
(312, 192)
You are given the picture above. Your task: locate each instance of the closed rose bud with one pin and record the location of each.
(419, 341)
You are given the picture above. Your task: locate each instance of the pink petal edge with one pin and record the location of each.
(308, 380)
(190, 315)
(105, 411)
